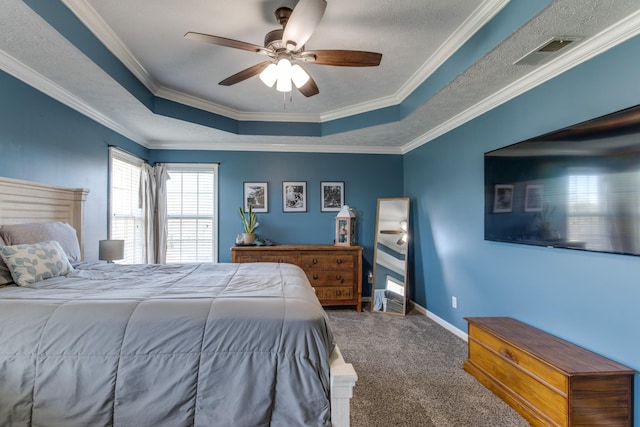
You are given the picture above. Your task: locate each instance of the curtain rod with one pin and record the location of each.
(189, 163)
(128, 152)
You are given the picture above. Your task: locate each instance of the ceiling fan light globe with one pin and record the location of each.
(299, 76)
(284, 75)
(283, 85)
(269, 75)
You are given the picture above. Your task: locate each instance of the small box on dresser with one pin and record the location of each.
(335, 272)
(549, 381)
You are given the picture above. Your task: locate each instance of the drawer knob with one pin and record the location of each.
(315, 260)
(339, 260)
(509, 355)
(315, 277)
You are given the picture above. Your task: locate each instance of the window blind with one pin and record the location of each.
(126, 217)
(191, 211)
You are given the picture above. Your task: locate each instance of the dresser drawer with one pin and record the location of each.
(520, 382)
(286, 258)
(335, 293)
(330, 278)
(535, 367)
(335, 272)
(326, 262)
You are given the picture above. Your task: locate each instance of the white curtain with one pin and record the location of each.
(153, 199)
(161, 229)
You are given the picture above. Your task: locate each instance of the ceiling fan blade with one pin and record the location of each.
(302, 23)
(222, 41)
(343, 58)
(309, 88)
(245, 74)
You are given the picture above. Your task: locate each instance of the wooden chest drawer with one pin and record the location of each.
(286, 258)
(335, 272)
(534, 367)
(335, 293)
(329, 278)
(549, 381)
(521, 382)
(326, 261)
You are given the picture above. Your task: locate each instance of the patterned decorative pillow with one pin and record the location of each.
(39, 261)
(5, 274)
(36, 232)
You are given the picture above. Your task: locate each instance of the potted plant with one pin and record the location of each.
(250, 223)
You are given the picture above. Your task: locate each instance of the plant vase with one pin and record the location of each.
(248, 238)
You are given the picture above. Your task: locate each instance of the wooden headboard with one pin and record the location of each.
(25, 201)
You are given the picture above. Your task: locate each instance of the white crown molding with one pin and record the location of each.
(204, 105)
(274, 147)
(477, 20)
(90, 18)
(39, 82)
(590, 48)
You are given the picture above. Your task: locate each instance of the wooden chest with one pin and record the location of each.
(335, 272)
(549, 381)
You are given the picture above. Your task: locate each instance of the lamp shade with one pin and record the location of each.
(110, 250)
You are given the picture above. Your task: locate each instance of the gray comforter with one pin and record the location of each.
(171, 345)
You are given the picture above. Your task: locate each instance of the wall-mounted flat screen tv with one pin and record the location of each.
(578, 187)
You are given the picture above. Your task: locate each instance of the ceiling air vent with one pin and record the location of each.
(548, 50)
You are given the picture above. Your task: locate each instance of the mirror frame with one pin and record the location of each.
(406, 256)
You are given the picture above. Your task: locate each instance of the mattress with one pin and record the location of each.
(174, 345)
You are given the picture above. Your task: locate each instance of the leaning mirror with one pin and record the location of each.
(389, 289)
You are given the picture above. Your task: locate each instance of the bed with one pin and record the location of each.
(191, 344)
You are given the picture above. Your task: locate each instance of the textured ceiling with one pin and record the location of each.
(423, 70)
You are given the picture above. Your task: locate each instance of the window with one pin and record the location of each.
(125, 210)
(192, 213)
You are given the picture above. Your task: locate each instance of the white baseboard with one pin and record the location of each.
(440, 321)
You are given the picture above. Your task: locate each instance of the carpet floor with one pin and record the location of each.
(410, 374)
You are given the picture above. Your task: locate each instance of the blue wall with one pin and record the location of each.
(590, 299)
(43, 140)
(367, 177)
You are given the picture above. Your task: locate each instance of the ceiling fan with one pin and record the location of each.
(285, 49)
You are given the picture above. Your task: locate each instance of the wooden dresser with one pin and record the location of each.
(549, 381)
(335, 272)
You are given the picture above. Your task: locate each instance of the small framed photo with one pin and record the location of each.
(503, 198)
(256, 195)
(332, 194)
(533, 198)
(294, 196)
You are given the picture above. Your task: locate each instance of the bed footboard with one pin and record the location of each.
(343, 379)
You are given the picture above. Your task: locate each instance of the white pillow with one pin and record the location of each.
(61, 232)
(32, 263)
(5, 274)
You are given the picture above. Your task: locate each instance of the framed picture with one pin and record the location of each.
(256, 194)
(533, 198)
(332, 194)
(503, 198)
(294, 196)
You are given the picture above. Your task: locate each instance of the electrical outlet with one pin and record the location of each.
(454, 302)
(370, 277)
